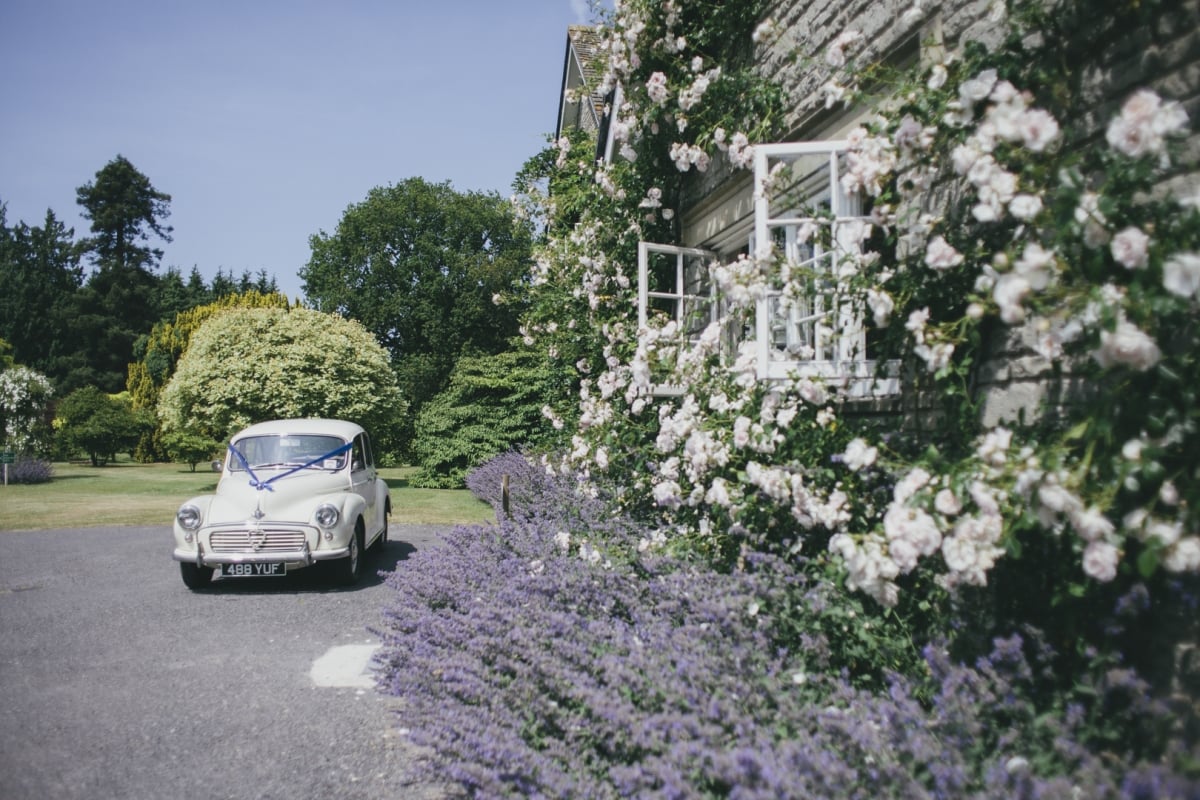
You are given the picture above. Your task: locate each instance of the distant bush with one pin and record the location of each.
(30, 470)
(492, 404)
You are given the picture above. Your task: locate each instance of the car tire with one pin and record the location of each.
(195, 577)
(350, 568)
(382, 540)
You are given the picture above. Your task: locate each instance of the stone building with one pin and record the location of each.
(719, 218)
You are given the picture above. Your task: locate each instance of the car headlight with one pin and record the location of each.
(188, 517)
(327, 516)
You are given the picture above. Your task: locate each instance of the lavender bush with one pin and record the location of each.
(30, 470)
(533, 663)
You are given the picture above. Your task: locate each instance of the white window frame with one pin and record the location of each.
(679, 295)
(841, 356)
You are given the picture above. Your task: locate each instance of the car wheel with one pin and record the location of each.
(351, 567)
(195, 577)
(382, 541)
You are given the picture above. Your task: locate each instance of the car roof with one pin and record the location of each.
(325, 427)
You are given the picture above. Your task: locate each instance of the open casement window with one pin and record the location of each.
(814, 231)
(674, 285)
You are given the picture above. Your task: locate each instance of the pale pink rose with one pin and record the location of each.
(1171, 119)
(1036, 265)
(910, 135)
(718, 493)
(1130, 248)
(984, 498)
(1088, 215)
(940, 255)
(963, 158)
(1025, 206)
(1004, 93)
(1181, 274)
(1100, 561)
(1128, 346)
(1143, 123)
(656, 87)
(859, 454)
(1009, 293)
(1038, 129)
(1130, 138)
(835, 56)
(904, 553)
(1141, 106)
(937, 77)
(1183, 556)
(1092, 525)
(667, 494)
(947, 503)
(881, 305)
(993, 448)
(978, 88)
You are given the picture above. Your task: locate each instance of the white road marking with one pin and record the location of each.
(345, 666)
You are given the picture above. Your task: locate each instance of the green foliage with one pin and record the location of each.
(418, 264)
(124, 209)
(248, 365)
(86, 333)
(39, 274)
(98, 424)
(159, 353)
(493, 404)
(190, 448)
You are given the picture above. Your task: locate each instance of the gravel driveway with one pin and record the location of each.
(118, 682)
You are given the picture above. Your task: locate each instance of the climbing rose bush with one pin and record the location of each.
(1070, 245)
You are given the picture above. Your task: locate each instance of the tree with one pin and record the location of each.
(190, 448)
(158, 354)
(418, 264)
(124, 209)
(120, 301)
(250, 365)
(39, 276)
(98, 424)
(493, 404)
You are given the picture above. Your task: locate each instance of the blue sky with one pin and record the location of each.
(265, 119)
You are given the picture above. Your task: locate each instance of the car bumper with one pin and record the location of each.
(305, 557)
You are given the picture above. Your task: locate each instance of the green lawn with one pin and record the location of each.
(127, 493)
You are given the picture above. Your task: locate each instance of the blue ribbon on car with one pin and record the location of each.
(260, 485)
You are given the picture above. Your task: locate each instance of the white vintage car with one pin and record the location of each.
(292, 493)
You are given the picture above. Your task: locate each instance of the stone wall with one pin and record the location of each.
(1013, 383)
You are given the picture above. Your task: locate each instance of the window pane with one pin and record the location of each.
(662, 273)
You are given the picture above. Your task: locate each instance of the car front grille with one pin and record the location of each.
(257, 541)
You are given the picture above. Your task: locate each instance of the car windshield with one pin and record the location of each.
(292, 450)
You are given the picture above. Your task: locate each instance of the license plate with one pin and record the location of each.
(253, 570)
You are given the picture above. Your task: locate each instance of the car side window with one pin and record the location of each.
(368, 454)
(359, 455)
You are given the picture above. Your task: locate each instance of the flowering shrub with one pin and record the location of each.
(30, 470)
(994, 214)
(530, 668)
(24, 399)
